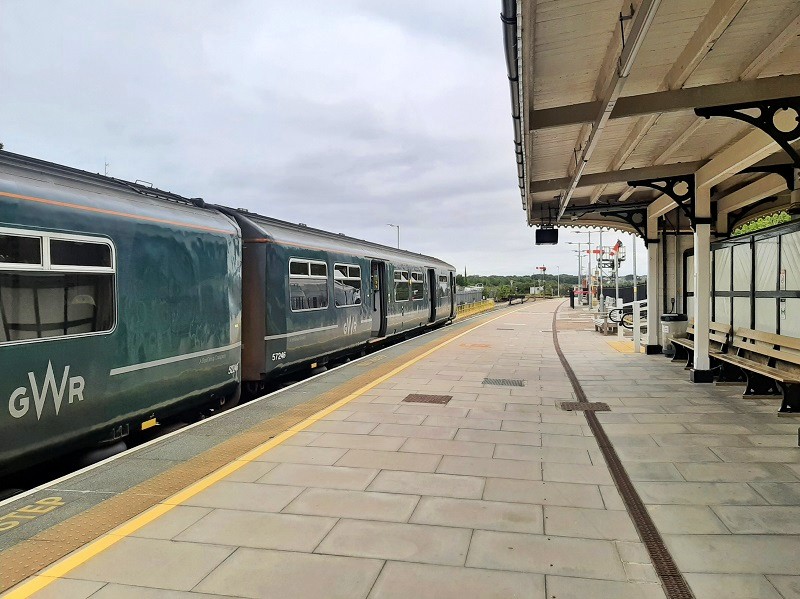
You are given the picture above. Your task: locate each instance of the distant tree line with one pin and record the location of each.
(500, 287)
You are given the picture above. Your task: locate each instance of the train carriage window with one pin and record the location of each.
(15, 249)
(308, 285)
(416, 286)
(41, 295)
(402, 288)
(79, 253)
(346, 285)
(444, 286)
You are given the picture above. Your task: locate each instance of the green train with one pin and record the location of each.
(122, 305)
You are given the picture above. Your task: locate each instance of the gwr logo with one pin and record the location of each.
(19, 403)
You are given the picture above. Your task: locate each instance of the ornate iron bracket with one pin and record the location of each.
(784, 170)
(635, 218)
(764, 119)
(680, 189)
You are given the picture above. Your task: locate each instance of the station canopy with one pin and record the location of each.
(615, 101)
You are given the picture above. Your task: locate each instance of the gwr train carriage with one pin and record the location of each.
(308, 294)
(121, 304)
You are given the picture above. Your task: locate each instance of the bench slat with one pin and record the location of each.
(768, 371)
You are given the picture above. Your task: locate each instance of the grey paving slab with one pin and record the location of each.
(387, 418)
(779, 493)
(690, 453)
(245, 496)
(563, 587)
(543, 493)
(390, 460)
(354, 504)
(411, 430)
(260, 530)
(589, 523)
(611, 498)
(174, 522)
(731, 586)
(490, 467)
(576, 473)
(584, 558)
(449, 421)
(489, 414)
(772, 440)
(420, 483)
(755, 519)
(69, 589)
(342, 426)
(561, 455)
(400, 542)
(735, 554)
(447, 447)
(686, 519)
(507, 437)
(741, 472)
(400, 580)
(153, 563)
(357, 441)
(758, 454)
(574, 441)
(250, 473)
(486, 515)
(259, 573)
(119, 591)
(701, 440)
(787, 586)
(693, 493)
(329, 477)
(654, 471)
(303, 455)
(423, 410)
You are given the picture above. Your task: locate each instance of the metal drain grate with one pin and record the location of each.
(505, 382)
(421, 398)
(504, 329)
(583, 406)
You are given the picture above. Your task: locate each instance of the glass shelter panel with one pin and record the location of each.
(742, 268)
(790, 260)
(765, 314)
(766, 266)
(722, 309)
(722, 269)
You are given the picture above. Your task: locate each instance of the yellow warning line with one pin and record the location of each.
(83, 555)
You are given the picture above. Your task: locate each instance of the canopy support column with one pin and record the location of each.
(653, 303)
(701, 370)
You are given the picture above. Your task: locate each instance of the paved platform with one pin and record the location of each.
(499, 493)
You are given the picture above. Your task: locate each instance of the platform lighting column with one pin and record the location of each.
(398, 235)
(616, 277)
(558, 281)
(653, 240)
(600, 270)
(589, 273)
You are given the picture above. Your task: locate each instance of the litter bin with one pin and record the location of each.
(672, 325)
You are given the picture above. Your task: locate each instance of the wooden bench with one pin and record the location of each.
(771, 364)
(718, 340)
(604, 325)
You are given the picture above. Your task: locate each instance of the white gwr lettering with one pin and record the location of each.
(20, 402)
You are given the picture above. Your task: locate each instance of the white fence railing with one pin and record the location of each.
(632, 317)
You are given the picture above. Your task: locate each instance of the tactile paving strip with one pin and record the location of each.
(32, 555)
(675, 585)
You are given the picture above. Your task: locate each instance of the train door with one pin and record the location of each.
(452, 294)
(378, 283)
(433, 294)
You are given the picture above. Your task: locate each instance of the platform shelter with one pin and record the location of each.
(675, 120)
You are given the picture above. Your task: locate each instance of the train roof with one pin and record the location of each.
(43, 185)
(300, 234)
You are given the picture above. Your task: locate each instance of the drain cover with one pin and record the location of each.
(504, 329)
(584, 406)
(505, 382)
(419, 398)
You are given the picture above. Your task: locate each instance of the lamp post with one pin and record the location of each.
(558, 281)
(398, 233)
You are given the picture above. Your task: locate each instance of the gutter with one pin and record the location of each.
(512, 43)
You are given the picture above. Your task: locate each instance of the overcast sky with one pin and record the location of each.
(345, 115)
